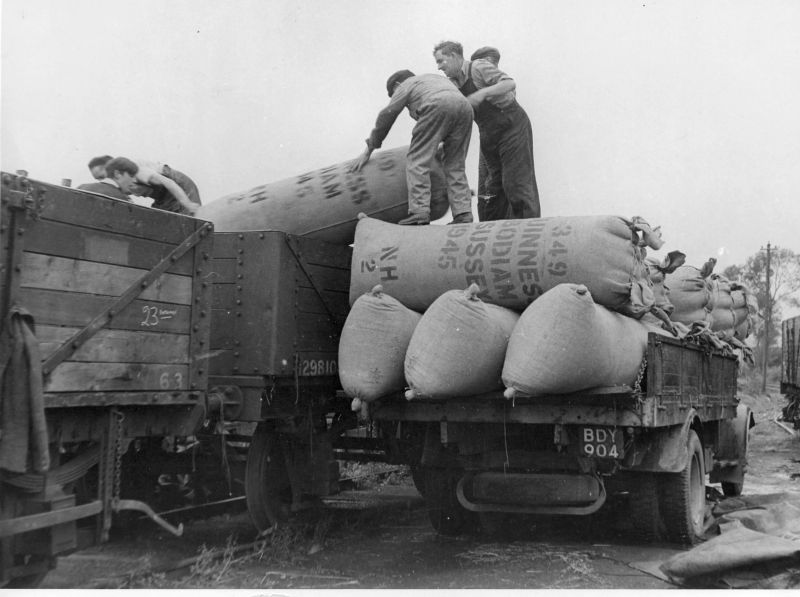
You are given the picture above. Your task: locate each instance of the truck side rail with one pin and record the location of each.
(679, 376)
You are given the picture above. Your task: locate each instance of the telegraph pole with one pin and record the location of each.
(767, 327)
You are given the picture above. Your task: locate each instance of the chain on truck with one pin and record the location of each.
(150, 364)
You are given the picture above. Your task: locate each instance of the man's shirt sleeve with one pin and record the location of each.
(389, 114)
(487, 74)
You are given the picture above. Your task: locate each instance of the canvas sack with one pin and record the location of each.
(691, 294)
(373, 346)
(324, 204)
(565, 342)
(512, 261)
(458, 347)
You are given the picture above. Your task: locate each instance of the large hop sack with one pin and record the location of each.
(746, 314)
(657, 269)
(723, 317)
(739, 319)
(325, 203)
(458, 347)
(512, 261)
(741, 313)
(691, 293)
(565, 342)
(373, 344)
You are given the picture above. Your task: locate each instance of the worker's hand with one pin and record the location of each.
(191, 208)
(360, 161)
(440, 152)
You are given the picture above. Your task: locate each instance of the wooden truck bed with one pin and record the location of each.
(116, 292)
(679, 376)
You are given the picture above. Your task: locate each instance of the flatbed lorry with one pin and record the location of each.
(490, 458)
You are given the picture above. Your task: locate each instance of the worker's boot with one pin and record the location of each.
(415, 220)
(465, 218)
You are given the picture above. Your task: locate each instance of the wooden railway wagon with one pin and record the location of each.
(489, 458)
(280, 302)
(105, 325)
(790, 369)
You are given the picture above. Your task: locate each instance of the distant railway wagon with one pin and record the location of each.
(141, 351)
(790, 364)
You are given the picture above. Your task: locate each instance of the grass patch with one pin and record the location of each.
(368, 475)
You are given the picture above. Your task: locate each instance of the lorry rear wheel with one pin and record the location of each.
(683, 496)
(500, 525)
(645, 513)
(731, 489)
(418, 477)
(447, 515)
(268, 491)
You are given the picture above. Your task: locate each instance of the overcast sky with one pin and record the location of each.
(686, 112)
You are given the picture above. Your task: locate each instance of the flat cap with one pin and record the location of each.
(397, 77)
(487, 52)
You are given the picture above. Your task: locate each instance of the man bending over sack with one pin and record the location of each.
(444, 116)
(169, 189)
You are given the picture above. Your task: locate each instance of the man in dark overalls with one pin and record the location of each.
(506, 135)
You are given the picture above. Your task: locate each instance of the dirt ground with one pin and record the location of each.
(389, 544)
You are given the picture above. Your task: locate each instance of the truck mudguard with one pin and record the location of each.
(662, 450)
(730, 457)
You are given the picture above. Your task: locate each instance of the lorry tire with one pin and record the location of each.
(501, 525)
(645, 514)
(418, 477)
(731, 489)
(683, 496)
(734, 439)
(268, 492)
(447, 515)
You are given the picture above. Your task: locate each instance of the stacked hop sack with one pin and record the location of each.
(723, 317)
(691, 293)
(565, 342)
(745, 309)
(512, 261)
(458, 347)
(734, 308)
(373, 345)
(324, 204)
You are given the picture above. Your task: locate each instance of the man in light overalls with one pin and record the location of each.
(444, 117)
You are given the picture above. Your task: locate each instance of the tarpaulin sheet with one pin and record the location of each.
(755, 543)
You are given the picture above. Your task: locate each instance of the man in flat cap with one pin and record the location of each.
(505, 129)
(444, 116)
(485, 203)
(489, 53)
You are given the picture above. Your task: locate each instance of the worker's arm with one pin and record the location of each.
(492, 83)
(497, 90)
(174, 189)
(383, 124)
